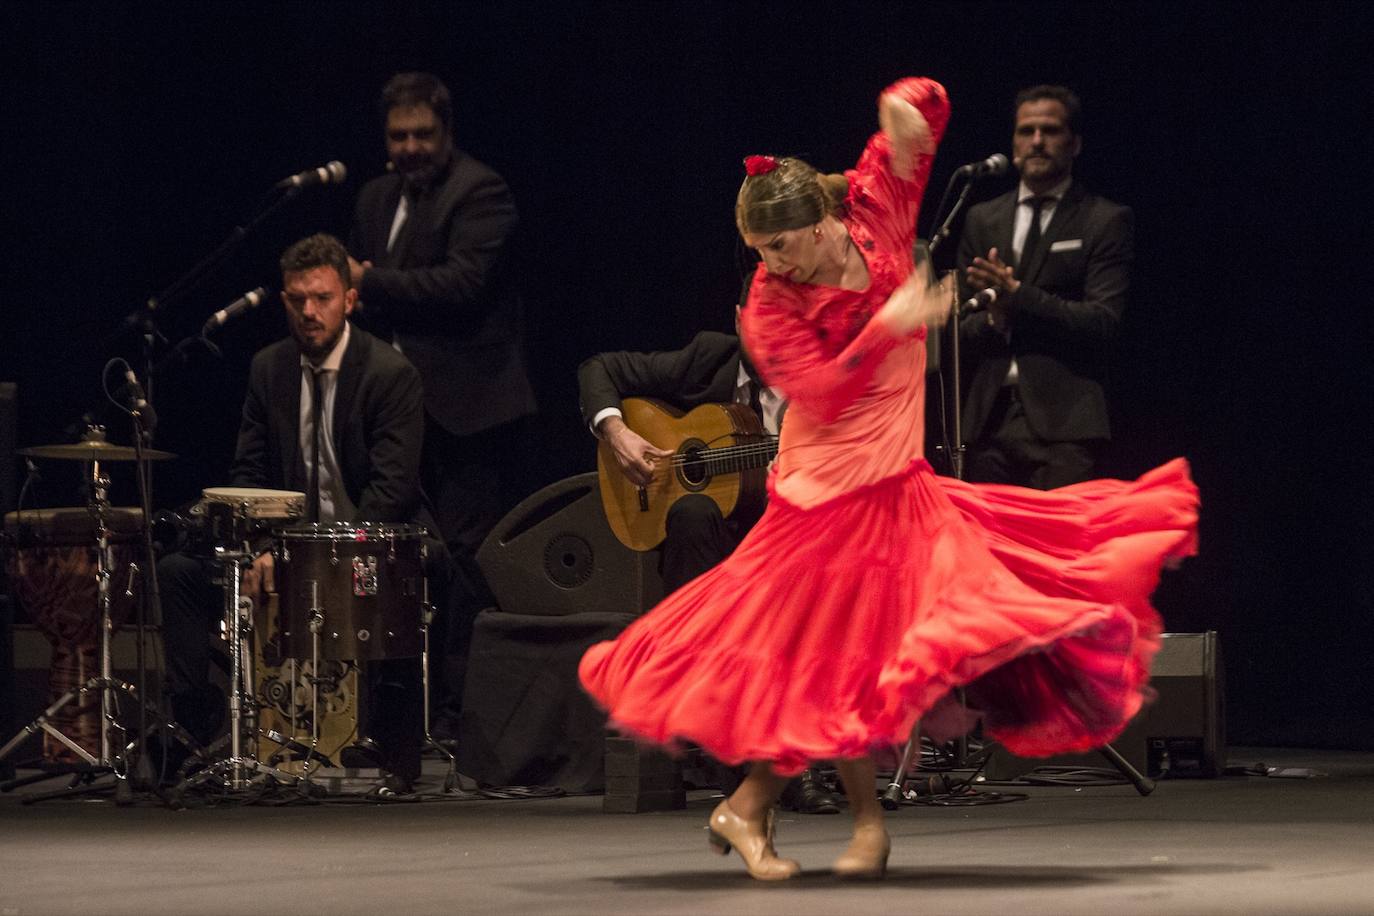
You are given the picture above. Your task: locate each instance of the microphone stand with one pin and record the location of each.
(895, 791)
(179, 287)
(145, 319)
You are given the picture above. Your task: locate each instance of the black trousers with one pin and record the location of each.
(698, 538)
(1008, 452)
(392, 711)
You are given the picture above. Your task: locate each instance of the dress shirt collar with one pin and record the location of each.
(1056, 193)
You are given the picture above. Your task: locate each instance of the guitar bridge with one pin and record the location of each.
(643, 500)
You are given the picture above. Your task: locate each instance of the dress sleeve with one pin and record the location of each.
(799, 357)
(886, 203)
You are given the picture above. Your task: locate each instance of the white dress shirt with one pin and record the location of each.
(1020, 228)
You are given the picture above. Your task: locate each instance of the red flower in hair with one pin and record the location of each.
(759, 165)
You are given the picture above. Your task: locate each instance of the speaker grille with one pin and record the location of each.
(568, 560)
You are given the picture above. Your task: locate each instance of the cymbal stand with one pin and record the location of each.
(234, 771)
(426, 619)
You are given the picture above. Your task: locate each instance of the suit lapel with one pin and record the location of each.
(350, 376)
(1007, 235)
(385, 218)
(1064, 213)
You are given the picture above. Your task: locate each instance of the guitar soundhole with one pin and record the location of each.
(692, 469)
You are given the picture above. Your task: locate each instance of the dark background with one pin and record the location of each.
(137, 137)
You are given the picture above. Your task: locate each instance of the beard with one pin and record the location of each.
(313, 351)
(419, 173)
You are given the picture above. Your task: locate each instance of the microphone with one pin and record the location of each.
(138, 400)
(329, 173)
(249, 300)
(995, 164)
(979, 302)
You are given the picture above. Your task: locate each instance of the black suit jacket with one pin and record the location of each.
(703, 372)
(1063, 321)
(445, 291)
(378, 427)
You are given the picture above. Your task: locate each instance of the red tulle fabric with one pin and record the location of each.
(871, 587)
(832, 630)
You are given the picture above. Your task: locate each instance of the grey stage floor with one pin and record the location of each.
(1235, 845)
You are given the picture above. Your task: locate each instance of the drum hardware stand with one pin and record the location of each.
(426, 618)
(234, 770)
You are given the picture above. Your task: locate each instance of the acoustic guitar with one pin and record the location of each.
(719, 450)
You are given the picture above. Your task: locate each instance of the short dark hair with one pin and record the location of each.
(318, 250)
(407, 89)
(1061, 94)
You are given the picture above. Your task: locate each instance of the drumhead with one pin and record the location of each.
(351, 531)
(257, 502)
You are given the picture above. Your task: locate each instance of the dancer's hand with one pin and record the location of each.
(918, 302)
(907, 130)
(635, 454)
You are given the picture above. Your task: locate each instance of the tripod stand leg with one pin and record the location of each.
(21, 781)
(1143, 784)
(451, 779)
(892, 797)
(76, 789)
(41, 724)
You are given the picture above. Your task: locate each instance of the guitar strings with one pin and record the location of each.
(719, 454)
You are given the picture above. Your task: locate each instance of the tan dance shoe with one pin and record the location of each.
(867, 854)
(753, 840)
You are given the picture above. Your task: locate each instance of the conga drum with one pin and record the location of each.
(51, 563)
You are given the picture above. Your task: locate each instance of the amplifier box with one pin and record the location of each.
(1181, 734)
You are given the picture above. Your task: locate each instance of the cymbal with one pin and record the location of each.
(93, 450)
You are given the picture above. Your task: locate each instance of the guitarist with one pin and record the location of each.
(711, 369)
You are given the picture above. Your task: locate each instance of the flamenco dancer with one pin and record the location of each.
(872, 588)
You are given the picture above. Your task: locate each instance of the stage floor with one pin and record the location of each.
(1241, 844)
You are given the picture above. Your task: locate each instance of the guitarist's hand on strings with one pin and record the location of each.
(635, 454)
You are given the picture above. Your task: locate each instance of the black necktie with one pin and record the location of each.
(1033, 233)
(312, 495)
(755, 402)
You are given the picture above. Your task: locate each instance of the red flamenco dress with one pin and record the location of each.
(871, 587)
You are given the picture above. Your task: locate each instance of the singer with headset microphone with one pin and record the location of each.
(1045, 269)
(431, 259)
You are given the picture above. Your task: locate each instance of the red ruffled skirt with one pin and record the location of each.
(832, 630)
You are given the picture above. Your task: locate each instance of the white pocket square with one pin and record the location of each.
(1067, 245)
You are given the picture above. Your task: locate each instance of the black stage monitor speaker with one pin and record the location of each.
(1181, 734)
(554, 554)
